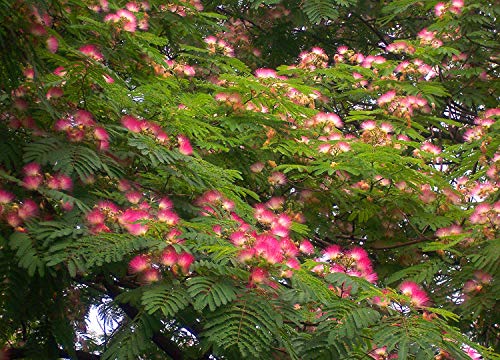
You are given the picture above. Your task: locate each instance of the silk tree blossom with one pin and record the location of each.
(32, 169)
(6, 197)
(139, 264)
(28, 209)
(52, 44)
(333, 252)
(184, 260)
(306, 247)
(386, 97)
(169, 257)
(54, 93)
(149, 276)
(185, 147)
(277, 178)
(125, 18)
(431, 148)
(263, 73)
(416, 294)
(471, 352)
(168, 216)
(92, 51)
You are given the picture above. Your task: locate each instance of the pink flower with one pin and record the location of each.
(92, 52)
(133, 197)
(185, 147)
(279, 230)
(417, 295)
(52, 44)
(368, 125)
(472, 353)
(133, 215)
(95, 217)
(101, 134)
(150, 275)
(28, 209)
(431, 148)
(136, 229)
(306, 247)
(128, 18)
(54, 93)
(185, 260)
(265, 73)
(257, 167)
(138, 264)
(357, 253)
(277, 178)
(168, 216)
(342, 49)
(132, 6)
(6, 197)
(258, 275)
(439, 9)
(169, 256)
(165, 203)
(238, 238)
(387, 97)
(13, 219)
(293, 263)
(84, 117)
(131, 123)
(246, 255)
(65, 182)
(32, 169)
(32, 182)
(108, 206)
(333, 252)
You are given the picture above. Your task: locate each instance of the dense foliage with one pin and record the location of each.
(313, 179)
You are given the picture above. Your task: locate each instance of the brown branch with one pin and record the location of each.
(381, 246)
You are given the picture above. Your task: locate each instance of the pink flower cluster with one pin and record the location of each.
(455, 7)
(314, 59)
(400, 47)
(180, 69)
(80, 126)
(449, 231)
(264, 250)
(345, 54)
(429, 37)
(152, 129)
(475, 285)
(40, 21)
(382, 354)
(353, 262)
(376, 134)
(403, 106)
(215, 45)
(185, 7)
(34, 178)
(126, 18)
(14, 213)
(485, 213)
(92, 52)
(149, 267)
(107, 216)
(418, 297)
(482, 125)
